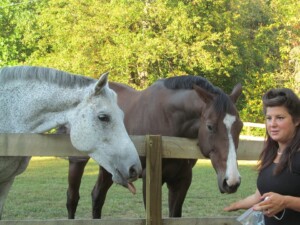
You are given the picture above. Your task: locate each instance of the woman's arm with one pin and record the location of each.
(292, 202)
(245, 203)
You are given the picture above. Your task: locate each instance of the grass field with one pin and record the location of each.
(40, 193)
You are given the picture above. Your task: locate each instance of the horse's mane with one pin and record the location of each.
(44, 74)
(222, 101)
(187, 82)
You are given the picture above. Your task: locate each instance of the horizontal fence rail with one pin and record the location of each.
(60, 145)
(165, 221)
(257, 125)
(248, 135)
(170, 147)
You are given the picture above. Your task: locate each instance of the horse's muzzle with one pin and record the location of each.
(229, 189)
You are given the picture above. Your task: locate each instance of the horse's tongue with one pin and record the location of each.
(131, 188)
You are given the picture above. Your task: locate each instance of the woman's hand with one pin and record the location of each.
(272, 204)
(231, 207)
(245, 203)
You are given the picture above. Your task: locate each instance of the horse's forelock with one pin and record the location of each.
(44, 74)
(223, 104)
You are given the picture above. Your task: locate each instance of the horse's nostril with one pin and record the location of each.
(225, 183)
(133, 172)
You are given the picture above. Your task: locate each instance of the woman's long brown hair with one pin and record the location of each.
(287, 98)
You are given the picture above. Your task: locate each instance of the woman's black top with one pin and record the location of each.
(285, 183)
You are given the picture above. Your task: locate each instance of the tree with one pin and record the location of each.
(137, 41)
(253, 42)
(14, 17)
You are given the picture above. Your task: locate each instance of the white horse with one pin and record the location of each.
(37, 99)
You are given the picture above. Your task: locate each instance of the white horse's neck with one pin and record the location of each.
(36, 106)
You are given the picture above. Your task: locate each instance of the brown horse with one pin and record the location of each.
(184, 106)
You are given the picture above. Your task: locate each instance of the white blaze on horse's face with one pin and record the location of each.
(232, 174)
(97, 128)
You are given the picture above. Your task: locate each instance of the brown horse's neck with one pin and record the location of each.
(185, 109)
(159, 110)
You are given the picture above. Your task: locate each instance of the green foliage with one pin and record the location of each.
(12, 17)
(137, 42)
(253, 131)
(253, 42)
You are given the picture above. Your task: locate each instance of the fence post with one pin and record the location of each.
(153, 180)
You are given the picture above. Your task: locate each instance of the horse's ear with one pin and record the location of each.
(236, 92)
(203, 94)
(101, 83)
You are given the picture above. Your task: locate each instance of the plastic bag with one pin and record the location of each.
(251, 217)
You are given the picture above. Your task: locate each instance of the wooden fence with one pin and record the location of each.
(165, 147)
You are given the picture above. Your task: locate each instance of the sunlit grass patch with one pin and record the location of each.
(40, 193)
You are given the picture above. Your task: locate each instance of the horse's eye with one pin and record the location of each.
(210, 127)
(104, 118)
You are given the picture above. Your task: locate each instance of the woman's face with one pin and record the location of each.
(279, 124)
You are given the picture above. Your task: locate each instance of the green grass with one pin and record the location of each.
(40, 193)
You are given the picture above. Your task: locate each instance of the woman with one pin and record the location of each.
(278, 182)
